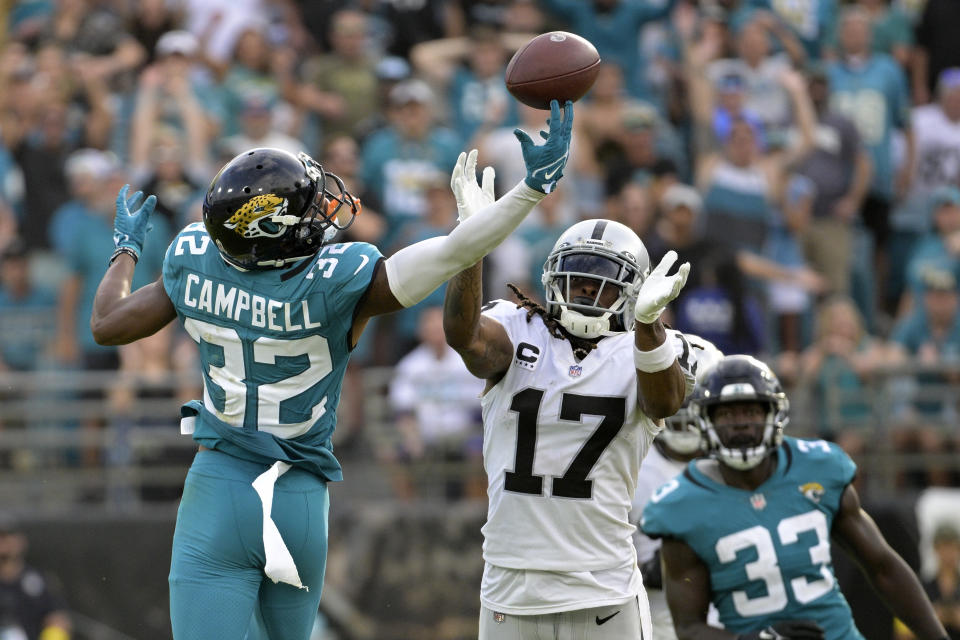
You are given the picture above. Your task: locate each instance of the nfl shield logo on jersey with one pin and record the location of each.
(575, 370)
(758, 502)
(498, 617)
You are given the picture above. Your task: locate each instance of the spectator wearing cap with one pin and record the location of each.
(26, 312)
(751, 80)
(641, 141)
(838, 167)
(29, 607)
(470, 71)
(943, 588)
(173, 92)
(399, 160)
(715, 303)
(341, 86)
(82, 232)
(930, 332)
(939, 248)
(871, 89)
(742, 184)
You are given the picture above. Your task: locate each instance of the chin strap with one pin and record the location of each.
(585, 326)
(582, 325)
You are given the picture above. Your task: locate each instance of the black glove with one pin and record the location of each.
(651, 572)
(789, 630)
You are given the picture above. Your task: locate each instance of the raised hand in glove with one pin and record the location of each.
(659, 289)
(471, 197)
(545, 162)
(787, 630)
(132, 221)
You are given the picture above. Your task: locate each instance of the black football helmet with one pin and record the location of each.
(741, 379)
(267, 208)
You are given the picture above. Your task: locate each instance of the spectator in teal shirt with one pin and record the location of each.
(871, 89)
(399, 160)
(941, 247)
(930, 337)
(26, 312)
(82, 233)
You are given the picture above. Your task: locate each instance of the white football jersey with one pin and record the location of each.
(563, 441)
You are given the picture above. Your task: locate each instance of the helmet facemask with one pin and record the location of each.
(744, 457)
(682, 432)
(320, 222)
(589, 318)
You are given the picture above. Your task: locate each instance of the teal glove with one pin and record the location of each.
(133, 221)
(545, 162)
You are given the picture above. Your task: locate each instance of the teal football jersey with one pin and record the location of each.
(273, 347)
(768, 550)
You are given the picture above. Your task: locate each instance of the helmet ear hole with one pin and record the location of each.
(246, 189)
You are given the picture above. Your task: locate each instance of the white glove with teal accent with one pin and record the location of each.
(659, 289)
(132, 221)
(471, 197)
(545, 162)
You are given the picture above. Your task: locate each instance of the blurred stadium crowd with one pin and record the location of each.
(804, 157)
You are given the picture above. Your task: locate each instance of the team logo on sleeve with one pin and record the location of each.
(255, 218)
(813, 491)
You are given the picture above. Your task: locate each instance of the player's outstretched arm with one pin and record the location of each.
(411, 274)
(481, 342)
(661, 385)
(856, 532)
(121, 317)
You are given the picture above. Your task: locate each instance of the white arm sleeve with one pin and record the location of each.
(415, 271)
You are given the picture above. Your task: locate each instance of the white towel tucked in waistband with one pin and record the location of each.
(279, 566)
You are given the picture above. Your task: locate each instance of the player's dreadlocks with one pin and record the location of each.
(581, 346)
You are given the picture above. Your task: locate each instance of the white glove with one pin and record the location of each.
(659, 289)
(471, 197)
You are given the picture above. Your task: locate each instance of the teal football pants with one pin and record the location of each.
(217, 585)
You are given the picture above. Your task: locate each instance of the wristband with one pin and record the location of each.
(127, 250)
(656, 359)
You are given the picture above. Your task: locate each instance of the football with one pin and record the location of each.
(553, 66)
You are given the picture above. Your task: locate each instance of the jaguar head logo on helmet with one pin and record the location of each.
(267, 208)
(590, 263)
(741, 383)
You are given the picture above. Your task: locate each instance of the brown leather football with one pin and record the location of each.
(553, 66)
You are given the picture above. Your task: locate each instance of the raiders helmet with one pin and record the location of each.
(741, 379)
(603, 250)
(267, 208)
